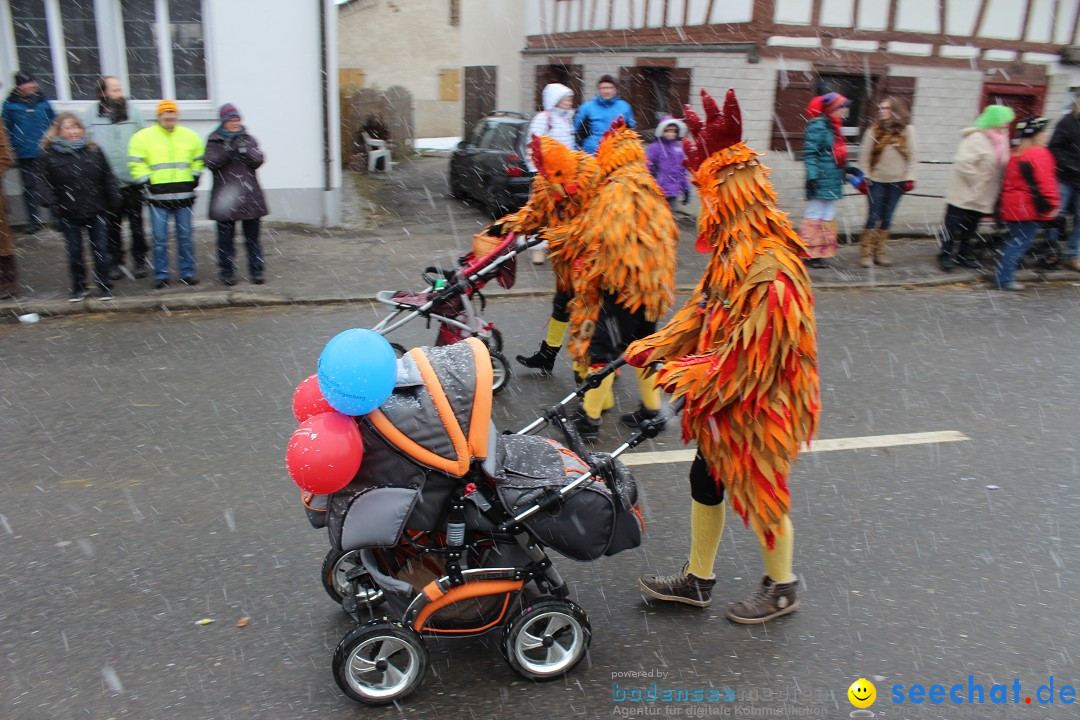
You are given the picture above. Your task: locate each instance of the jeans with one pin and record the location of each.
(1021, 235)
(884, 197)
(159, 224)
(1070, 205)
(226, 248)
(30, 180)
(132, 210)
(72, 229)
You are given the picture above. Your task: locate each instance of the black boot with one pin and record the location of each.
(542, 360)
(9, 277)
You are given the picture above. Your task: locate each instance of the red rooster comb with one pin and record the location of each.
(616, 126)
(720, 129)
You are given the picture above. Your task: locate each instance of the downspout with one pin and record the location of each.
(325, 108)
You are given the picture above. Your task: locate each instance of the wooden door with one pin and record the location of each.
(566, 74)
(480, 94)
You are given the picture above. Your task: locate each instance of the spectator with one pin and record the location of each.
(556, 121)
(1065, 147)
(79, 186)
(825, 156)
(9, 277)
(167, 159)
(889, 156)
(28, 116)
(1029, 196)
(595, 116)
(110, 123)
(233, 156)
(978, 165)
(666, 158)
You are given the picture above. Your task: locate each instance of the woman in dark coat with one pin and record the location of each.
(79, 186)
(233, 156)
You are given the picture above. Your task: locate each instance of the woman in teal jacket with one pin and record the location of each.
(825, 158)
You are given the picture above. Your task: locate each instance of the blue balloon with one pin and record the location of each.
(357, 371)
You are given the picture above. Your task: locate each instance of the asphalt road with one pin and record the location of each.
(144, 490)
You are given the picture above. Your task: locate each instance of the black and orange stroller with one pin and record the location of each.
(449, 523)
(450, 298)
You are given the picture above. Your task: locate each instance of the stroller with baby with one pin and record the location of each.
(447, 525)
(450, 297)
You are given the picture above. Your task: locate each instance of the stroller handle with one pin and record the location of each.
(591, 382)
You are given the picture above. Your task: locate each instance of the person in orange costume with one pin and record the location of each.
(743, 354)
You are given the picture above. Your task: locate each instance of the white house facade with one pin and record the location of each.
(277, 62)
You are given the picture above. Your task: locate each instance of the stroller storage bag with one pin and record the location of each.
(591, 522)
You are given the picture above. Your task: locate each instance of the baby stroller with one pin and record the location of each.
(450, 522)
(449, 298)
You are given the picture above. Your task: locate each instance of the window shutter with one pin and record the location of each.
(793, 94)
(679, 91)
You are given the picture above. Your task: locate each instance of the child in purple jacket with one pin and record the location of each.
(666, 158)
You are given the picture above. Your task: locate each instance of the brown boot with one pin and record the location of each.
(682, 587)
(9, 277)
(770, 600)
(866, 248)
(879, 249)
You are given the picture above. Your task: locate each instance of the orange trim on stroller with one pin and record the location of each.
(480, 422)
(477, 588)
(482, 628)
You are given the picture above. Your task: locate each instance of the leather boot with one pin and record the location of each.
(866, 248)
(9, 277)
(542, 360)
(879, 249)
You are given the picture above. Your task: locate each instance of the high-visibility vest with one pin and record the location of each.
(169, 161)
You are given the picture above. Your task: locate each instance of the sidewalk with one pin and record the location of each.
(410, 223)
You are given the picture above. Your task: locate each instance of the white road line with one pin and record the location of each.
(852, 443)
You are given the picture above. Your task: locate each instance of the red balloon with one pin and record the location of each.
(308, 400)
(324, 453)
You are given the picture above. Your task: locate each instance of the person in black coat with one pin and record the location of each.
(1065, 147)
(79, 186)
(233, 156)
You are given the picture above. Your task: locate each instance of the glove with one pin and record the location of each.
(907, 186)
(686, 196)
(495, 229)
(811, 189)
(864, 187)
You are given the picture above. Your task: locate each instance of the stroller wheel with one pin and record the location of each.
(500, 372)
(494, 341)
(547, 639)
(335, 569)
(380, 662)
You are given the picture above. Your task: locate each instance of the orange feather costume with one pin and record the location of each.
(623, 243)
(743, 350)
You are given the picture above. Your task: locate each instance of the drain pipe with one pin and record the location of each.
(327, 179)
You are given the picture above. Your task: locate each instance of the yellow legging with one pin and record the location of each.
(706, 529)
(556, 333)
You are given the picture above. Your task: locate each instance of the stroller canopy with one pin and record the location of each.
(440, 412)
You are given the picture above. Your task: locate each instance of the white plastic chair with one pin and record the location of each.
(376, 149)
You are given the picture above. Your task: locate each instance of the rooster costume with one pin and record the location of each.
(743, 354)
(565, 180)
(623, 246)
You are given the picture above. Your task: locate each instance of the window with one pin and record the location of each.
(501, 136)
(68, 44)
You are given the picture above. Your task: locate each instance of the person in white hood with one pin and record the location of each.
(556, 121)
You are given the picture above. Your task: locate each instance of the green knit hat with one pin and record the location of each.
(995, 116)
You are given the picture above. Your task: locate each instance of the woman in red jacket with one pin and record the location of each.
(1029, 197)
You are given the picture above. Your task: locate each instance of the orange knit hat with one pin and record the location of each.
(167, 106)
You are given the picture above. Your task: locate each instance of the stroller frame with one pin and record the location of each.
(457, 286)
(383, 659)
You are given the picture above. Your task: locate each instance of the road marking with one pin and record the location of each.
(852, 443)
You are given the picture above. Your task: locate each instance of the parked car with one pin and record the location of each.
(488, 167)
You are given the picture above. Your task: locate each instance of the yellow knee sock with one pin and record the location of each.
(778, 561)
(706, 527)
(593, 402)
(650, 394)
(556, 333)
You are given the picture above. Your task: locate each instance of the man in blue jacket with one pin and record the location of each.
(27, 115)
(595, 116)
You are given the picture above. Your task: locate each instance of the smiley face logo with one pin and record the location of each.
(862, 693)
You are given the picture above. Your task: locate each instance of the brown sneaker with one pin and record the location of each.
(769, 601)
(682, 587)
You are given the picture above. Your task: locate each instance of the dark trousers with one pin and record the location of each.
(132, 210)
(884, 197)
(960, 225)
(560, 305)
(30, 180)
(73, 229)
(703, 488)
(226, 248)
(616, 328)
